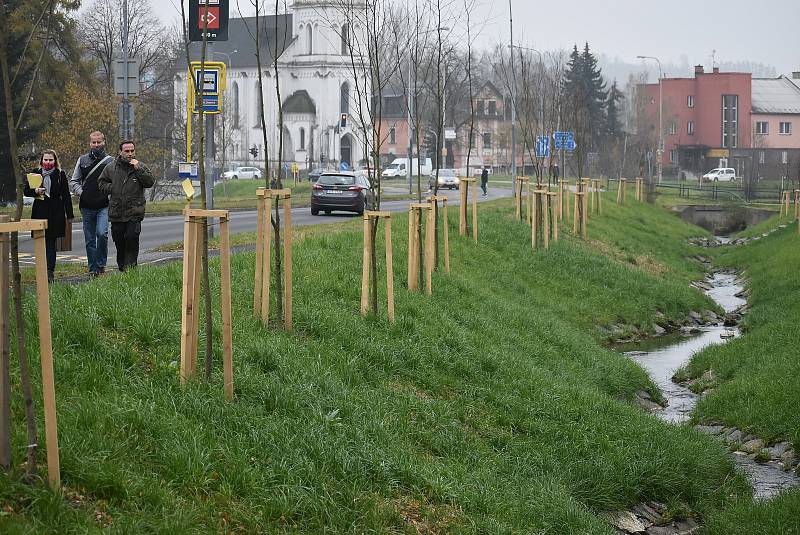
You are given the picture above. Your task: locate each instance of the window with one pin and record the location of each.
(310, 39)
(761, 156)
(480, 107)
(673, 128)
(730, 121)
(786, 128)
(487, 140)
(392, 136)
(345, 40)
(762, 127)
(785, 156)
(673, 156)
(690, 101)
(344, 99)
(690, 128)
(235, 96)
(472, 140)
(302, 139)
(492, 107)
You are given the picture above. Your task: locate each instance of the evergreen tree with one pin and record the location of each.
(613, 126)
(585, 89)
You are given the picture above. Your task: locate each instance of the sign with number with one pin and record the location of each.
(209, 17)
(210, 83)
(563, 140)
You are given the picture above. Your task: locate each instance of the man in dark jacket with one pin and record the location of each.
(125, 179)
(93, 203)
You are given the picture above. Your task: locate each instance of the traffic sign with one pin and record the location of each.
(571, 145)
(126, 77)
(564, 139)
(187, 170)
(344, 166)
(542, 146)
(210, 83)
(209, 17)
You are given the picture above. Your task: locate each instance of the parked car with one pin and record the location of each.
(342, 191)
(447, 178)
(313, 175)
(242, 172)
(724, 174)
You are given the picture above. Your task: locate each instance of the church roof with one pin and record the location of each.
(241, 45)
(299, 102)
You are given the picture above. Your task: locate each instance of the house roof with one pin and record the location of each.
(775, 95)
(241, 45)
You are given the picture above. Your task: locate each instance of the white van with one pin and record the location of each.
(720, 174)
(399, 168)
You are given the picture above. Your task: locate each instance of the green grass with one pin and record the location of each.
(759, 374)
(489, 407)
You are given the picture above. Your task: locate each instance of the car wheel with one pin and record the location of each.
(234, 177)
(327, 212)
(314, 211)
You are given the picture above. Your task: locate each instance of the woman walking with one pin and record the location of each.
(52, 202)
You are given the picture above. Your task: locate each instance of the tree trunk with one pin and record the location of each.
(27, 392)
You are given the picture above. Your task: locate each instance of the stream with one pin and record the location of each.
(661, 363)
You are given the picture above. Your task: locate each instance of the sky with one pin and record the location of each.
(738, 30)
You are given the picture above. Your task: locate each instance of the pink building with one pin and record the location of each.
(705, 118)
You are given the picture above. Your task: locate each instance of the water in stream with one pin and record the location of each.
(661, 364)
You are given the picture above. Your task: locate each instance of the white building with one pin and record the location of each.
(316, 80)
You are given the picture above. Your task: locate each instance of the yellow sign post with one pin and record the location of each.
(210, 78)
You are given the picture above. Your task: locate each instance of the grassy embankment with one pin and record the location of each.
(488, 407)
(758, 375)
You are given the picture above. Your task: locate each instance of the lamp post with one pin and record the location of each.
(660, 150)
(541, 89)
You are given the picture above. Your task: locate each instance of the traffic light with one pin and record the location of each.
(254, 151)
(343, 121)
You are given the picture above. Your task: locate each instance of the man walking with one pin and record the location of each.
(484, 180)
(125, 179)
(92, 202)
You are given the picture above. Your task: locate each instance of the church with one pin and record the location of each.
(317, 87)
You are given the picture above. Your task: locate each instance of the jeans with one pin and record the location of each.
(126, 240)
(95, 233)
(483, 186)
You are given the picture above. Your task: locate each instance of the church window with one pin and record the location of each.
(310, 34)
(302, 139)
(345, 40)
(235, 97)
(344, 101)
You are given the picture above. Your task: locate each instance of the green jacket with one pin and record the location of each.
(126, 186)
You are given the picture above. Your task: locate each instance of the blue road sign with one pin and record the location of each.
(344, 167)
(542, 146)
(187, 170)
(563, 139)
(571, 145)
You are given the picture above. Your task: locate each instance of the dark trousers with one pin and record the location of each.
(483, 186)
(50, 254)
(126, 239)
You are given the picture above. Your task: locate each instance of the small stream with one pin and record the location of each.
(662, 362)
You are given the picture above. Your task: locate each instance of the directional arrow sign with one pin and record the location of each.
(209, 18)
(542, 146)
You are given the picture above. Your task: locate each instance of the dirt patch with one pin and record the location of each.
(643, 262)
(429, 519)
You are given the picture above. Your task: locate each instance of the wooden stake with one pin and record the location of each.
(446, 239)
(227, 313)
(429, 250)
(287, 263)
(546, 217)
(258, 286)
(413, 250)
(389, 270)
(534, 223)
(5, 356)
(365, 268)
(552, 205)
(188, 305)
(585, 214)
(266, 276)
(46, 354)
(475, 211)
(197, 283)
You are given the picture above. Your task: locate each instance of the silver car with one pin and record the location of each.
(242, 172)
(447, 178)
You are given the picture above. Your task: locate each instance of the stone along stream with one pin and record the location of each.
(767, 479)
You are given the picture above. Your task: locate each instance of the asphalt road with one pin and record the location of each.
(161, 230)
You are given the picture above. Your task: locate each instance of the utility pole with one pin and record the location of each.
(125, 102)
(513, 105)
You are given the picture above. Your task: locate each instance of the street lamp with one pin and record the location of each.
(660, 150)
(541, 90)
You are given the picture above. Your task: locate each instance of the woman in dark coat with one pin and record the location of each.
(52, 202)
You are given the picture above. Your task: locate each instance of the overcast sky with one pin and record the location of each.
(739, 30)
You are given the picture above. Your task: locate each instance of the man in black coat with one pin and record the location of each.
(125, 179)
(93, 203)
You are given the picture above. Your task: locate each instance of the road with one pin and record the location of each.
(162, 230)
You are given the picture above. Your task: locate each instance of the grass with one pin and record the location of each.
(759, 374)
(489, 407)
